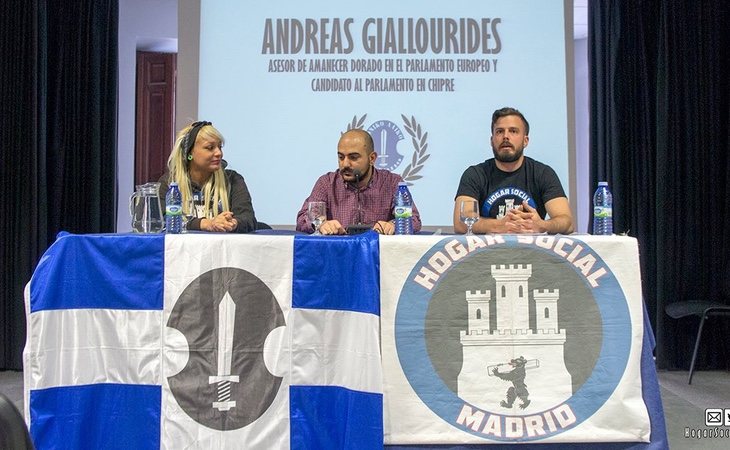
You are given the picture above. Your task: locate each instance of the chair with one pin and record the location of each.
(701, 309)
(13, 432)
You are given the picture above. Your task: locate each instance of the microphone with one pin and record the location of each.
(357, 174)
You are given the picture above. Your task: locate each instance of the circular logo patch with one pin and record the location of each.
(512, 345)
(225, 315)
(386, 136)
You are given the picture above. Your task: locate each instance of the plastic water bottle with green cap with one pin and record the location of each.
(602, 210)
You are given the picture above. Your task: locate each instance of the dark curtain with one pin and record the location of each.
(58, 94)
(660, 137)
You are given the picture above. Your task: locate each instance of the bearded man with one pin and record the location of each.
(356, 194)
(515, 193)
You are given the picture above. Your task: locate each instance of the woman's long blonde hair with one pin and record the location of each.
(215, 189)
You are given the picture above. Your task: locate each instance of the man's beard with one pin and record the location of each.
(506, 157)
(363, 175)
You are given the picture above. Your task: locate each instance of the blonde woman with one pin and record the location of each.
(216, 198)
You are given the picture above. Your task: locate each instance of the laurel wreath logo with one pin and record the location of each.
(419, 153)
(356, 124)
(418, 139)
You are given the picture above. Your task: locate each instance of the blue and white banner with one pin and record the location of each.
(506, 339)
(204, 341)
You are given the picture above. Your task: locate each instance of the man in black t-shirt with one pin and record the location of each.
(515, 193)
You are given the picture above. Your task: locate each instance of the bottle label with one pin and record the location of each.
(173, 210)
(602, 212)
(403, 212)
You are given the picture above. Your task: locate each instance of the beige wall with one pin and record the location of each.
(143, 25)
(188, 57)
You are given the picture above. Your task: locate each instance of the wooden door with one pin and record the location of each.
(155, 116)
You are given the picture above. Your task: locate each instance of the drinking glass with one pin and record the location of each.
(317, 214)
(188, 214)
(469, 214)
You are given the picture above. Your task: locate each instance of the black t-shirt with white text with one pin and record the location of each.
(499, 191)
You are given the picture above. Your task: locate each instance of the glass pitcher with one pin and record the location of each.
(146, 209)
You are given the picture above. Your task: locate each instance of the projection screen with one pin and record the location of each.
(283, 79)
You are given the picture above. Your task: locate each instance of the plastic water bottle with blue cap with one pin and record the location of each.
(403, 210)
(173, 210)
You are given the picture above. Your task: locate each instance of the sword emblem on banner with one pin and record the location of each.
(226, 321)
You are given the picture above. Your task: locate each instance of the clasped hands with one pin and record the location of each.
(335, 227)
(223, 222)
(523, 220)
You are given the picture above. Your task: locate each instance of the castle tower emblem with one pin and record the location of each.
(508, 366)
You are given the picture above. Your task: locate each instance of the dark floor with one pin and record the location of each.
(684, 405)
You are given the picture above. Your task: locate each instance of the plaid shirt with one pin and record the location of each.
(349, 205)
